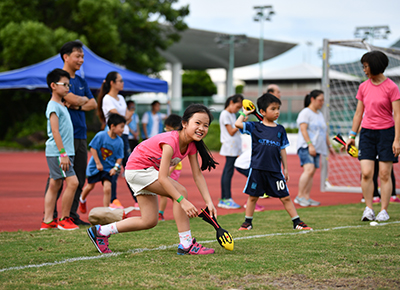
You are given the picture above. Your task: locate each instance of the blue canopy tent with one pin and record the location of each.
(94, 70)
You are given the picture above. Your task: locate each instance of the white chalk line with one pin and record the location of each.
(134, 251)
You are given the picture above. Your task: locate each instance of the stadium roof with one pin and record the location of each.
(304, 71)
(198, 50)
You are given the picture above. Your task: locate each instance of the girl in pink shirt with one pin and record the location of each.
(147, 173)
(378, 108)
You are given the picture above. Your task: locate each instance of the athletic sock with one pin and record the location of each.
(81, 200)
(248, 219)
(296, 220)
(109, 229)
(186, 238)
(161, 212)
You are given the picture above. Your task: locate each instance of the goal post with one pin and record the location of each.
(342, 75)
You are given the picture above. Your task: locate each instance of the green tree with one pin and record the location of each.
(197, 83)
(128, 32)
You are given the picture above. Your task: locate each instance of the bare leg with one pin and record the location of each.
(163, 203)
(305, 181)
(50, 199)
(107, 192)
(86, 190)
(367, 184)
(251, 205)
(289, 206)
(385, 169)
(68, 195)
(148, 219)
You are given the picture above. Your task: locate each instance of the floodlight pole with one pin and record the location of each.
(261, 16)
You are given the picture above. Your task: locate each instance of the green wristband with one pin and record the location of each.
(179, 199)
(352, 137)
(309, 142)
(62, 151)
(243, 114)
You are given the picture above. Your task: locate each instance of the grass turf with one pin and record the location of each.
(341, 252)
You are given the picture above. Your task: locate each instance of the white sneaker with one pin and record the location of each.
(382, 216)
(313, 202)
(368, 215)
(302, 201)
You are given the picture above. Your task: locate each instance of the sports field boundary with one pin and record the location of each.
(135, 251)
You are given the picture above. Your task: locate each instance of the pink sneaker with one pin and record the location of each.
(98, 240)
(394, 199)
(194, 249)
(258, 207)
(376, 199)
(116, 204)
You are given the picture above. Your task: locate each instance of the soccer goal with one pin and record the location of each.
(342, 74)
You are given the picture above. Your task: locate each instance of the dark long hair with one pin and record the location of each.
(105, 88)
(207, 160)
(313, 94)
(235, 98)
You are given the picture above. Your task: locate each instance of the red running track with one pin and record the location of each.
(23, 178)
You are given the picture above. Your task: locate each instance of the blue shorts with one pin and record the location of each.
(100, 176)
(271, 183)
(305, 157)
(376, 144)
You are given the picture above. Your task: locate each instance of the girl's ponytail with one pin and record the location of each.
(207, 160)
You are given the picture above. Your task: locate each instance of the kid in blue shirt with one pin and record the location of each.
(107, 150)
(268, 143)
(60, 153)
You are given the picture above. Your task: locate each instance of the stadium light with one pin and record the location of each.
(262, 13)
(372, 32)
(230, 40)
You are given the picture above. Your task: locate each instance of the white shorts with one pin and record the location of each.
(141, 178)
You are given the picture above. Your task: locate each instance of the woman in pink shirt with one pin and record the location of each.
(378, 108)
(147, 173)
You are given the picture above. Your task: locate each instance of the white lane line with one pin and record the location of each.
(133, 251)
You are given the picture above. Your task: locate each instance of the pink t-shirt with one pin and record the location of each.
(148, 153)
(377, 100)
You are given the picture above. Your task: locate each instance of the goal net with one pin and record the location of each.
(342, 74)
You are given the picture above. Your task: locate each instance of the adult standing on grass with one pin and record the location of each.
(79, 100)
(231, 148)
(312, 142)
(111, 102)
(147, 172)
(378, 112)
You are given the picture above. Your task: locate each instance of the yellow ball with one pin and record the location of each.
(248, 105)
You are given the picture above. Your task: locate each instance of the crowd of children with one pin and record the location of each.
(154, 166)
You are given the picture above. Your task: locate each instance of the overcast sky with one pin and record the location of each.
(295, 21)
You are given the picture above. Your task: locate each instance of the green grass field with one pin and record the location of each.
(341, 252)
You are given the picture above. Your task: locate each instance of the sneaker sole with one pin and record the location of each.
(64, 229)
(228, 207)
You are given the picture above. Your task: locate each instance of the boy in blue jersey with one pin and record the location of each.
(107, 150)
(268, 143)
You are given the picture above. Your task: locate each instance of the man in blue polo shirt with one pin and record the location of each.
(79, 100)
